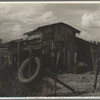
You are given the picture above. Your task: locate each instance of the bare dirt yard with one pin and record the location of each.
(82, 83)
(11, 87)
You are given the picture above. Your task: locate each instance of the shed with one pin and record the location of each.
(58, 34)
(84, 50)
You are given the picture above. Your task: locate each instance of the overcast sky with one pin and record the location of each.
(16, 19)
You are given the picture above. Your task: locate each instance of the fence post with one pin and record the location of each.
(96, 75)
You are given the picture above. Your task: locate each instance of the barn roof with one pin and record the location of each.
(60, 23)
(80, 40)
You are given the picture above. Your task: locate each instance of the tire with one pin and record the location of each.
(21, 77)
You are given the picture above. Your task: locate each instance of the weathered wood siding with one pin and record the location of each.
(84, 56)
(64, 35)
(67, 36)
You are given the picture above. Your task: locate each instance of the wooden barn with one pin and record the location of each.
(75, 54)
(60, 36)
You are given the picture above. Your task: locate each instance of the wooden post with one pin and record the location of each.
(96, 75)
(56, 73)
(64, 57)
(75, 61)
(92, 59)
(18, 54)
(30, 57)
(96, 71)
(60, 82)
(55, 84)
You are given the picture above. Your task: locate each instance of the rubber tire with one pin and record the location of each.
(21, 78)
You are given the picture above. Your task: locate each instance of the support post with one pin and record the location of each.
(18, 53)
(30, 61)
(56, 74)
(92, 58)
(96, 75)
(60, 82)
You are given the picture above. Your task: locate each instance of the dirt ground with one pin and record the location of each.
(82, 83)
(11, 87)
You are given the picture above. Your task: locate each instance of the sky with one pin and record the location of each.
(19, 18)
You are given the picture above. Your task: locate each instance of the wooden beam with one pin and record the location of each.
(65, 85)
(60, 82)
(96, 75)
(92, 58)
(18, 54)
